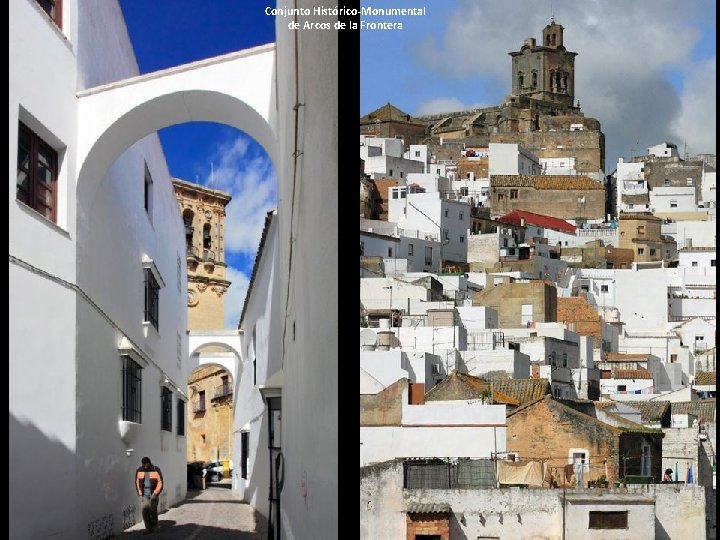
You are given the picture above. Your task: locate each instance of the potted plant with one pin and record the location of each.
(600, 482)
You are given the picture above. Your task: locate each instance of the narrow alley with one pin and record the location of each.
(211, 514)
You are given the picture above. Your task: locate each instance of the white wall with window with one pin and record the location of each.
(673, 199)
(259, 368)
(422, 254)
(76, 271)
(418, 152)
(512, 158)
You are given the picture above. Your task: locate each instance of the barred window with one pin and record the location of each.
(180, 417)
(166, 409)
(132, 390)
(152, 298)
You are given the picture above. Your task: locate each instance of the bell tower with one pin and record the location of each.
(545, 71)
(203, 213)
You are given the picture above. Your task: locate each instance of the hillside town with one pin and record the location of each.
(537, 326)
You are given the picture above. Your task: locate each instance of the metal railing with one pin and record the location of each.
(222, 391)
(198, 407)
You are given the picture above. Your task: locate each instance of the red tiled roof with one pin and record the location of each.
(538, 220)
(632, 374)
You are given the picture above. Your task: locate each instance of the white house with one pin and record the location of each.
(112, 223)
(691, 233)
(664, 149)
(667, 200)
(421, 251)
(418, 152)
(258, 396)
(429, 212)
(436, 428)
(630, 180)
(513, 159)
(380, 146)
(98, 291)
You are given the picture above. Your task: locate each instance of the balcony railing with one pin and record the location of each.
(208, 255)
(222, 391)
(198, 407)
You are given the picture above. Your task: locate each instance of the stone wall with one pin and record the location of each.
(507, 299)
(385, 407)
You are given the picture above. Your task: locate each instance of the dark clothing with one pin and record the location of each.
(149, 485)
(150, 478)
(149, 512)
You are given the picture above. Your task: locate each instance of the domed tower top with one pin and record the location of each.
(553, 35)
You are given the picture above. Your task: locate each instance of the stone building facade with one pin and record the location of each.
(509, 299)
(209, 423)
(203, 212)
(576, 198)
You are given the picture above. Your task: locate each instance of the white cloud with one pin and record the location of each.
(245, 172)
(250, 179)
(625, 51)
(235, 297)
(696, 122)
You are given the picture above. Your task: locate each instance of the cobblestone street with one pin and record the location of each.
(211, 514)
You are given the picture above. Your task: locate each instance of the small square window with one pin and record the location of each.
(652, 252)
(37, 172)
(417, 153)
(641, 251)
(513, 193)
(603, 288)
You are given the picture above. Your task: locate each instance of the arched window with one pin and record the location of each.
(547, 40)
(521, 80)
(553, 39)
(207, 241)
(188, 217)
(534, 79)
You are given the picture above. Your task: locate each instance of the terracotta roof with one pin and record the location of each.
(547, 222)
(386, 113)
(545, 182)
(705, 377)
(428, 508)
(499, 398)
(638, 216)
(523, 390)
(704, 410)
(623, 357)
(471, 387)
(632, 374)
(650, 411)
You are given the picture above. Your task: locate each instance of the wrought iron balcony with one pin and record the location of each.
(224, 390)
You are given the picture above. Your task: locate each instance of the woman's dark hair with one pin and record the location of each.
(145, 461)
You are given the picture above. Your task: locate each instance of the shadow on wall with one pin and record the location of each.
(41, 485)
(660, 532)
(457, 528)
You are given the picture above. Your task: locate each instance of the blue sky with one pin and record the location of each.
(645, 69)
(167, 33)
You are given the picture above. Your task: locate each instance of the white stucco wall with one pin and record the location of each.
(673, 199)
(309, 337)
(75, 434)
(515, 363)
(510, 158)
(442, 429)
(384, 166)
(260, 361)
(478, 317)
(691, 233)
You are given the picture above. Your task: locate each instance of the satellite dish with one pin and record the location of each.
(367, 339)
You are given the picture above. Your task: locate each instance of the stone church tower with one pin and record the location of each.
(203, 212)
(545, 72)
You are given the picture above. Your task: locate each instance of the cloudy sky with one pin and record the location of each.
(645, 68)
(169, 33)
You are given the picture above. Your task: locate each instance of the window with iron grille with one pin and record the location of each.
(54, 10)
(608, 520)
(37, 169)
(166, 409)
(152, 298)
(148, 192)
(132, 390)
(180, 416)
(244, 446)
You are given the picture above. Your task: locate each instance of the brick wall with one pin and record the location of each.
(548, 430)
(585, 318)
(435, 523)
